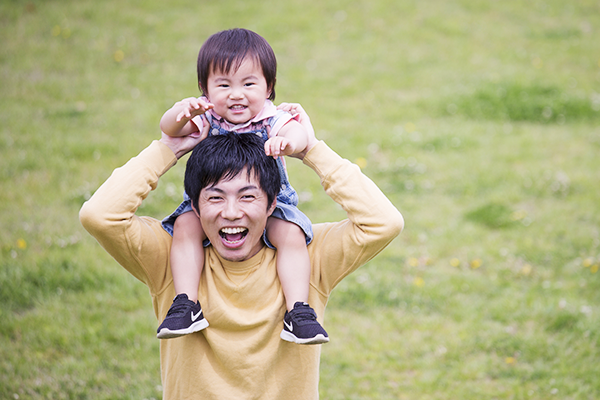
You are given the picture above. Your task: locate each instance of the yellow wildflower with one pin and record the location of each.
(361, 162)
(526, 269)
(119, 55)
(419, 282)
(410, 127)
(518, 215)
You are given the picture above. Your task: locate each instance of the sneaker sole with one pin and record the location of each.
(290, 337)
(195, 327)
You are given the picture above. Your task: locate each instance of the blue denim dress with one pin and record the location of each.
(287, 199)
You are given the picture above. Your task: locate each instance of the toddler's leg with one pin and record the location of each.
(187, 260)
(293, 268)
(293, 263)
(187, 255)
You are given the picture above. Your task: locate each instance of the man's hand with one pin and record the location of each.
(181, 145)
(296, 110)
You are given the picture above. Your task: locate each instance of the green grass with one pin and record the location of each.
(479, 119)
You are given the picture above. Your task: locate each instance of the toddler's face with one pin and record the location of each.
(238, 96)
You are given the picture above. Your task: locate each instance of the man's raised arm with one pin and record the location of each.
(373, 221)
(109, 215)
(137, 243)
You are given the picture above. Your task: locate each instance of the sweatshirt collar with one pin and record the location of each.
(245, 265)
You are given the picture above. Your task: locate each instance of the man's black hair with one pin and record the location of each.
(223, 157)
(226, 50)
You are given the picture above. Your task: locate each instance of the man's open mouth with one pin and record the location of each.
(233, 235)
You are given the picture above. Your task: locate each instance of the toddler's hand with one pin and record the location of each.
(279, 146)
(180, 145)
(191, 107)
(298, 112)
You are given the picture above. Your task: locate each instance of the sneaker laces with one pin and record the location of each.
(304, 315)
(177, 309)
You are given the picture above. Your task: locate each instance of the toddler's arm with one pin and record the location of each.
(176, 121)
(291, 139)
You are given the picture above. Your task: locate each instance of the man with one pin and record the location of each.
(240, 355)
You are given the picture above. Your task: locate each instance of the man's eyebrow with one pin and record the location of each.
(242, 189)
(213, 189)
(248, 187)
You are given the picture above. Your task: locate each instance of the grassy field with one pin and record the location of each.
(480, 120)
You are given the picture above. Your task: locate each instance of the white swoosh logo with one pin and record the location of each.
(290, 326)
(195, 317)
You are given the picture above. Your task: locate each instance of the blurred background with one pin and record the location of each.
(478, 118)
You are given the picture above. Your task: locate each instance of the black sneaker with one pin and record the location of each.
(184, 317)
(300, 326)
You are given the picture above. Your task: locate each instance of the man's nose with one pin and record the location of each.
(231, 211)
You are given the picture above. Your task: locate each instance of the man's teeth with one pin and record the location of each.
(233, 231)
(233, 235)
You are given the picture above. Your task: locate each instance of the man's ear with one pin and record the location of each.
(272, 207)
(195, 211)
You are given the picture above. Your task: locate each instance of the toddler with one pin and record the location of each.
(236, 74)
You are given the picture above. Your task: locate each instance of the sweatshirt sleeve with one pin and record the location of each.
(373, 221)
(139, 244)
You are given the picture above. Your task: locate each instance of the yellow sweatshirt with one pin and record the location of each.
(240, 355)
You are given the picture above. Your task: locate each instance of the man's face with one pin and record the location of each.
(234, 214)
